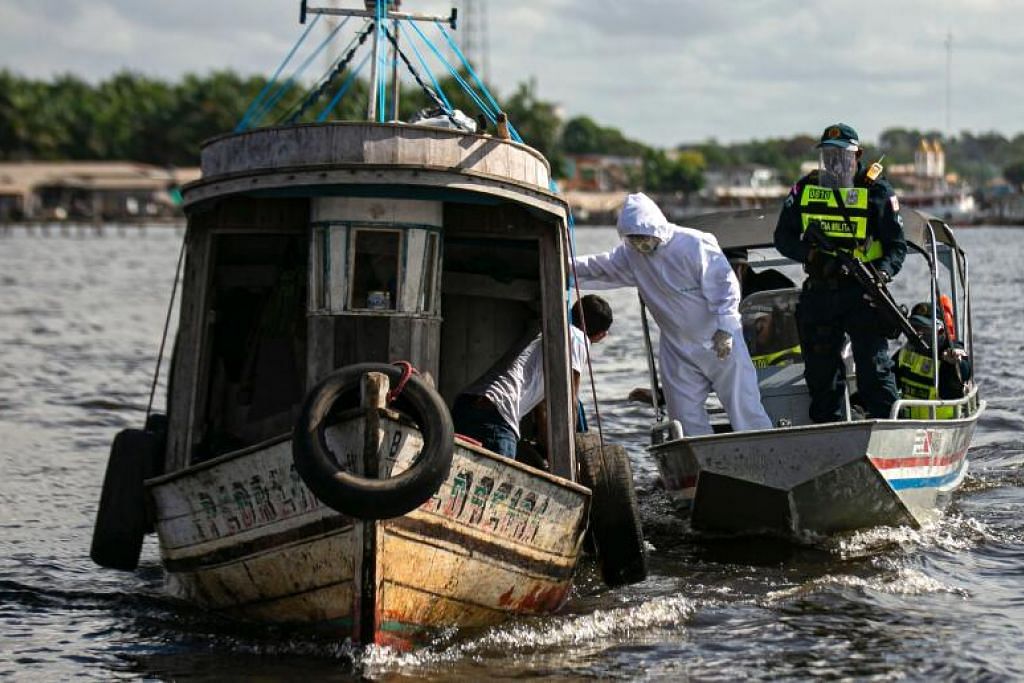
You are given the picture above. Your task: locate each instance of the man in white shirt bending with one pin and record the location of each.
(490, 409)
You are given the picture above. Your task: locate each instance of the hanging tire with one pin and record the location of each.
(615, 529)
(122, 518)
(366, 498)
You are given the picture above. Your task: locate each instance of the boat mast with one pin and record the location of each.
(369, 11)
(375, 76)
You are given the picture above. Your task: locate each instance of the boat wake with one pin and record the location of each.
(952, 533)
(551, 635)
(901, 581)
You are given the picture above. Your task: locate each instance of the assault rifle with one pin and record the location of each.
(873, 284)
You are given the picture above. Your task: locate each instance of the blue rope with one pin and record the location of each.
(341, 55)
(256, 101)
(381, 63)
(423, 63)
(291, 80)
(335, 71)
(341, 91)
(479, 83)
(491, 116)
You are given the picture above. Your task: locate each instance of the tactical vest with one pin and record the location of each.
(916, 376)
(783, 357)
(818, 204)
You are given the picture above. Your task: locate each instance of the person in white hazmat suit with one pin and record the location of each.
(686, 282)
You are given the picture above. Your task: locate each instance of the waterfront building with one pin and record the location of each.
(90, 190)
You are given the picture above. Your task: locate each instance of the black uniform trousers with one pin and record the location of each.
(830, 309)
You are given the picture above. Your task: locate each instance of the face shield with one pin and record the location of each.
(645, 244)
(836, 166)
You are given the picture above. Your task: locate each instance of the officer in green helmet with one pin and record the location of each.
(859, 213)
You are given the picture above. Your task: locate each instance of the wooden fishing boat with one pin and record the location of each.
(802, 478)
(301, 477)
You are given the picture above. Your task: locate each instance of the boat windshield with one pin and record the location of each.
(769, 326)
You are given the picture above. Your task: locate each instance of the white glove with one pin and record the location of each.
(721, 343)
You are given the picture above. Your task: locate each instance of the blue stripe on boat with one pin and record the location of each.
(926, 482)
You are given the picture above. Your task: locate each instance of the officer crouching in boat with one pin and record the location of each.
(859, 213)
(915, 371)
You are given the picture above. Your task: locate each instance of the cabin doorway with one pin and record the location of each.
(257, 340)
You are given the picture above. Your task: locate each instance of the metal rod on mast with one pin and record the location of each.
(396, 85)
(451, 19)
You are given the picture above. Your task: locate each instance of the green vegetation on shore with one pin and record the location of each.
(134, 117)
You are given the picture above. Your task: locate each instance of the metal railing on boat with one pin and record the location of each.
(964, 407)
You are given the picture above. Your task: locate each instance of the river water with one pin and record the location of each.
(80, 320)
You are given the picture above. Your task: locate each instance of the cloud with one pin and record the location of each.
(663, 72)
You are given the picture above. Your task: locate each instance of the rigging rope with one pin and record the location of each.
(472, 72)
(242, 124)
(419, 81)
(341, 91)
(318, 92)
(423, 63)
(167, 324)
(491, 116)
(287, 85)
(571, 249)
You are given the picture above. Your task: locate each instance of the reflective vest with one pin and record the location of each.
(818, 204)
(916, 378)
(783, 357)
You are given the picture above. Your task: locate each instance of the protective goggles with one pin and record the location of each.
(645, 244)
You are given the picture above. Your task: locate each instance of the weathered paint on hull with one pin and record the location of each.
(821, 478)
(243, 536)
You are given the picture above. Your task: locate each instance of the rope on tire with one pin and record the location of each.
(407, 371)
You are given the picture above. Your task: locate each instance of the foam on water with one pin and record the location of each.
(545, 635)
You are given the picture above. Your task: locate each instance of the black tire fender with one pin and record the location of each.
(122, 517)
(361, 497)
(615, 529)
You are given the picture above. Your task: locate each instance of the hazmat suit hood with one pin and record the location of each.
(641, 216)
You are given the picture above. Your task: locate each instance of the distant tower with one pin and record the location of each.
(474, 37)
(930, 159)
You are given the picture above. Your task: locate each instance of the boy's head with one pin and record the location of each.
(596, 313)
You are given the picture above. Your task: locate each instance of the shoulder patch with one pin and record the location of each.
(895, 203)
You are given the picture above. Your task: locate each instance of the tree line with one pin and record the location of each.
(129, 116)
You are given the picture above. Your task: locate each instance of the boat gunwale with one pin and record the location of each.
(392, 125)
(544, 200)
(273, 441)
(870, 425)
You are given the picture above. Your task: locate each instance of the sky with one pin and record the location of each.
(665, 73)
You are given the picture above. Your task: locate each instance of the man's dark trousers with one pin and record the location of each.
(827, 310)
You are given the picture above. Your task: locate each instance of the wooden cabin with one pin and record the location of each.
(313, 247)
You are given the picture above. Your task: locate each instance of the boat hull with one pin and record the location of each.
(817, 479)
(243, 536)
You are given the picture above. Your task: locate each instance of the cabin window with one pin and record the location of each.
(375, 269)
(361, 268)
